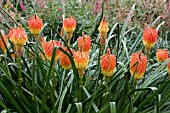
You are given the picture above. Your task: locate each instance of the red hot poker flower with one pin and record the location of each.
(35, 25)
(150, 36)
(3, 43)
(103, 28)
(64, 60)
(161, 55)
(18, 37)
(84, 42)
(108, 64)
(138, 63)
(69, 25)
(81, 60)
(49, 47)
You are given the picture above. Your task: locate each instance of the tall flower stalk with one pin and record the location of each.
(81, 60)
(18, 37)
(48, 51)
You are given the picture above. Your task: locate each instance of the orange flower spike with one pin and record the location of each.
(35, 25)
(169, 67)
(81, 60)
(150, 36)
(138, 63)
(69, 25)
(64, 60)
(84, 42)
(18, 37)
(108, 64)
(3, 42)
(103, 28)
(62, 32)
(42, 40)
(161, 55)
(49, 47)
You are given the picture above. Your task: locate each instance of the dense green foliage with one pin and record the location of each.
(27, 87)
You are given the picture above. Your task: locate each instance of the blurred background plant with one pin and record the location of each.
(120, 93)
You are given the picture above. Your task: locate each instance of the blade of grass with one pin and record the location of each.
(68, 108)
(112, 107)
(64, 93)
(34, 58)
(8, 15)
(122, 33)
(31, 94)
(152, 76)
(48, 80)
(11, 98)
(4, 106)
(79, 107)
(151, 97)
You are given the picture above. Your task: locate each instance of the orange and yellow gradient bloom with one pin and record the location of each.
(150, 36)
(49, 47)
(84, 42)
(64, 59)
(35, 25)
(161, 55)
(108, 64)
(81, 60)
(103, 28)
(138, 64)
(3, 43)
(19, 38)
(69, 25)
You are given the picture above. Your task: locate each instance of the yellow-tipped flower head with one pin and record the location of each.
(150, 36)
(18, 37)
(161, 55)
(49, 47)
(81, 60)
(35, 25)
(108, 64)
(64, 60)
(84, 42)
(138, 63)
(69, 25)
(103, 28)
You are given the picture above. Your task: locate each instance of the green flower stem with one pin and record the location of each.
(53, 88)
(102, 49)
(80, 88)
(133, 88)
(66, 72)
(20, 79)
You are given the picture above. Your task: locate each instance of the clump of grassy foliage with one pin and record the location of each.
(119, 94)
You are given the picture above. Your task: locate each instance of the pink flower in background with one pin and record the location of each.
(42, 5)
(97, 8)
(22, 6)
(61, 10)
